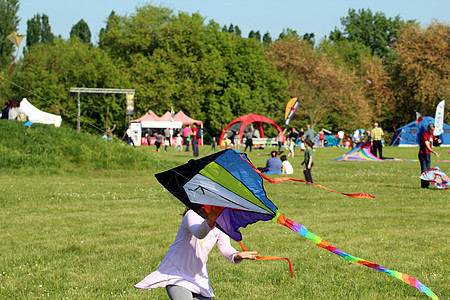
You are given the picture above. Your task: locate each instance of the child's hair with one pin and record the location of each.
(309, 143)
(283, 157)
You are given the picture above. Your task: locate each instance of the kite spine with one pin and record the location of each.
(300, 229)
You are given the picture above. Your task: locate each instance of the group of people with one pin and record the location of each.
(185, 136)
(11, 111)
(360, 136)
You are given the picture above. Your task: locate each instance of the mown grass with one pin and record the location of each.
(95, 232)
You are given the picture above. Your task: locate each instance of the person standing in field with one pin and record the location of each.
(130, 136)
(425, 150)
(376, 136)
(310, 133)
(183, 271)
(186, 134)
(308, 161)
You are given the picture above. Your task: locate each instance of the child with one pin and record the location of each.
(308, 162)
(286, 167)
(178, 143)
(183, 271)
(291, 147)
(213, 144)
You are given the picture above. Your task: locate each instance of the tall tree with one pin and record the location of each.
(39, 30)
(81, 31)
(267, 39)
(375, 31)
(328, 94)
(422, 71)
(9, 21)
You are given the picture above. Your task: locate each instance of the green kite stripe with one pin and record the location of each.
(220, 175)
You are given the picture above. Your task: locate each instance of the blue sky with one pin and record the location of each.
(319, 17)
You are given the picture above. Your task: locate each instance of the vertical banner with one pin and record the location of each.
(130, 104)
(439, 119)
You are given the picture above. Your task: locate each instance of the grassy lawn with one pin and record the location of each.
(94, 233)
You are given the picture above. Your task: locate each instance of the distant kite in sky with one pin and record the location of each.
(291, 107)
(16, 39)
(436, 177)
(228, 179)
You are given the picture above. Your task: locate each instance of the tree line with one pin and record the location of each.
(214, 74)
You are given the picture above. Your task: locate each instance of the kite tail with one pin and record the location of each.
(270, 257)
(300, 229)
(282, 179)
(392, 105)
(12, 65)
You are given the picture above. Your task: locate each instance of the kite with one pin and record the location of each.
(439, 119)
(16, 39)
(392, 105)
(228, 179)
(291, 107)
(437, 177)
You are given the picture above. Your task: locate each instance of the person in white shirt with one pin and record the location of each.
(183, 271)
(286, 167)
(130, 136)
(341, 138)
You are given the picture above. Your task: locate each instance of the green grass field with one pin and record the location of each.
(85, 219)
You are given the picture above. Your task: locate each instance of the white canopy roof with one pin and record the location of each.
(38, 116)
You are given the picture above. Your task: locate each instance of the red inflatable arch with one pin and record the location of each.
(257, 120)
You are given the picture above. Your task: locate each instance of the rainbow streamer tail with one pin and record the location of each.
(270, 257)
(300, 229)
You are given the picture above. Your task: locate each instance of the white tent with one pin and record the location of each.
(38, 116)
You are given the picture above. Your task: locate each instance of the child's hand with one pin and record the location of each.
(246, 255)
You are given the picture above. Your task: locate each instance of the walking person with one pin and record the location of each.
(130, 136)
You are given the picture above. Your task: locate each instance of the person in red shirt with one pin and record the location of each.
(426, 148)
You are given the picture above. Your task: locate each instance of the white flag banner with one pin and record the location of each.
(439, 119)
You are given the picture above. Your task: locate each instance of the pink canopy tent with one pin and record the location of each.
(258, 120)
(148, 117)
(186, 120)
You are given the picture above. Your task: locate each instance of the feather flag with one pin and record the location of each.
(439, 119)
(291, 107)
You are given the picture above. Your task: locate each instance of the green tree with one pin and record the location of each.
(287, 32)
(200, 68)
(375, 31)
(267, 39)
(81, 31)
(48, 71)
(9, 21)
(422, 71)
(39, 30)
